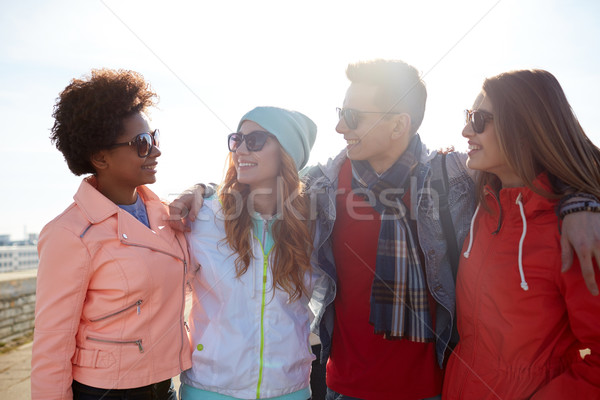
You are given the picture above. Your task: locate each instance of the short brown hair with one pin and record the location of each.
(399, 86)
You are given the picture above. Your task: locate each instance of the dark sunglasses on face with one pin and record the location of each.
(352, 116)
(255, 141)
(477, 119)
(144, 143)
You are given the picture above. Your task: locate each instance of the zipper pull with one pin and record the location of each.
(139, 343)
(187, 328)
(185, 266)
(139, 309)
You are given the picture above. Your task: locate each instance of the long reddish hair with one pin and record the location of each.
(291, 231)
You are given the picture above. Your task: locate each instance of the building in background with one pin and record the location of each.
(16, 255)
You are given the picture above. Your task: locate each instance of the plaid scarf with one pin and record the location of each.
(399, 303)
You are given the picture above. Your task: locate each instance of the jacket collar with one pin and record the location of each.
(97, 208)
(506, 197)
(332, 168)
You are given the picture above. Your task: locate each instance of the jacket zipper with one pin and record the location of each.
(182, 321)
(262, 307)
(137, 342)
(184, 261)
(137, 303)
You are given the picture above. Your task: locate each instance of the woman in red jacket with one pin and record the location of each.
(522, 322)
(111, 279)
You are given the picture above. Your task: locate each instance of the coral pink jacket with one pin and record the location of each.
(521, 321)
(110, 298)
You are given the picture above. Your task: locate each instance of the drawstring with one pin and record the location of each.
(466, 253)
(253, 277)
(524, 284)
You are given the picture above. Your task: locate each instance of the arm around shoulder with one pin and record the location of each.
(581, 234)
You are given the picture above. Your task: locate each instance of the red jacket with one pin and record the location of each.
(110, 298)
(517, 343)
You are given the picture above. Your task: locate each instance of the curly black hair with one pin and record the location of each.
(89, 113)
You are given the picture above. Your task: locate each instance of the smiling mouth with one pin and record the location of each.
(351, 142)
(246, 164)
(150, 167)
(474, 147)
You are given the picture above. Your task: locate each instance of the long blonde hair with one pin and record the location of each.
(291, 231)
(538, 132)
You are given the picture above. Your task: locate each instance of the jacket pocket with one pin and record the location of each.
(137, 304)
(137, 342)
(93, 358)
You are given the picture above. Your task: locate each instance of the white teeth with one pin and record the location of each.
(149, 166)
(246, 164)
(352, 141)
(474, 147)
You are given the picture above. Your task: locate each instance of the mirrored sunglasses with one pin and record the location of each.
(477, 119)
(144, 143)
(255, 141)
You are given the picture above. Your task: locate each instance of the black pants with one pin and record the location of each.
(158, 391)
(317, 376)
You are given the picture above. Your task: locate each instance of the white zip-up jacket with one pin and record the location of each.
(248, 341)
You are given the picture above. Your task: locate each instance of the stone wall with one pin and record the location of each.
(17, 305)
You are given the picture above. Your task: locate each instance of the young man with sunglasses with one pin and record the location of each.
(388, 323)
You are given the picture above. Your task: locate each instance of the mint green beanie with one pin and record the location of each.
(295, 131)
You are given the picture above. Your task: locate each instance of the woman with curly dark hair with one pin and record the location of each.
(111, 280)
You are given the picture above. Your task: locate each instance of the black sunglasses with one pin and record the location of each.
(144, 143)
(255, 141)
(351, 116)
(477, 119)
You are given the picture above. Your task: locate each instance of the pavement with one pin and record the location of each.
(15, 365)
(15, 373)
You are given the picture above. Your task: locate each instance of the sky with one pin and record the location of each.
(212, 61)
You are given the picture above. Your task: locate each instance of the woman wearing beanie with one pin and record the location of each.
(251, 245)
